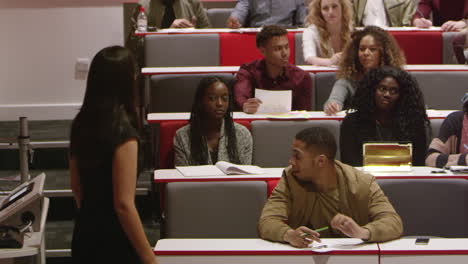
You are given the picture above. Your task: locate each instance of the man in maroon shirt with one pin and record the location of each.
(450, 15)
(273, 72)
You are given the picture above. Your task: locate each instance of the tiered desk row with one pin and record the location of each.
(227, 47)
(429, 201)
(226, 209)
(272, 136)
(236, 251)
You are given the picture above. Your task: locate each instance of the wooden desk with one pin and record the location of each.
(447, 250)
(173, 175)
(157, 118)
(237, 251)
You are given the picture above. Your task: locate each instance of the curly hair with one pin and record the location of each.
(269, 32)
(391, 55)
(315, 18)
(409, 113)
(198, 147)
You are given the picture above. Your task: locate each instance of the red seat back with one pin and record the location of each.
(421, 48)
(237, 49)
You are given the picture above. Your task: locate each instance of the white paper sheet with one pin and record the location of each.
(274, 101)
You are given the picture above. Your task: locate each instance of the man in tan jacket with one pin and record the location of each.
(317, 191)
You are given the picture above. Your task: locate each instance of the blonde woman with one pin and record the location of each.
(329, 29)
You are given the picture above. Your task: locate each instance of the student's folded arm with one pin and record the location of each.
(273, 220)
(443, 148)
(384, 223)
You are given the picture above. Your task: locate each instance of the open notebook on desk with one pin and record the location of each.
(219, 169)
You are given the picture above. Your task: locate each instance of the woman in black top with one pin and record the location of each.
(388, 106)
(103, 165)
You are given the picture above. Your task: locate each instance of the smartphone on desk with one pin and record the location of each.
(422, 241)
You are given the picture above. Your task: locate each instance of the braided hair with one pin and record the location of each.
(198, 145)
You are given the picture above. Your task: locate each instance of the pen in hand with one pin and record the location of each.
(316, 230)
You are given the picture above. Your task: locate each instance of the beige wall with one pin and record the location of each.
(41, 40)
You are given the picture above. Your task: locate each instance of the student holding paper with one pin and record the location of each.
(389, 107)
(273, 72)
(450, 147)
(369, 48)
(316, 191)
(212, 135)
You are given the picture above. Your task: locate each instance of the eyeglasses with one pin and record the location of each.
(391, 91)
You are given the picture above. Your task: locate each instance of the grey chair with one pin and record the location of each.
(272, 140)
(430, 207)
(442, 89)
(299, 55)
(214, 209)
(435, 128)
(324, 82)
(171, 50)
(448, 55)
(175, 92)
(218, 16)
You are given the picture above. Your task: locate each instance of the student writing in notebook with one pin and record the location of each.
(316, 191)
(211, 134)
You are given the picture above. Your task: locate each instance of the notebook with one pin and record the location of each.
(221, 168)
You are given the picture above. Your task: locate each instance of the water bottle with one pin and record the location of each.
(142, 21)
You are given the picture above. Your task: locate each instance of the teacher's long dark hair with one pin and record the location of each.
(198, 147)
(110, 100)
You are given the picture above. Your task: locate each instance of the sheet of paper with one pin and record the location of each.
(203, 170)
(290, 115)
(342, 244)
(274, 101)
(231, 168)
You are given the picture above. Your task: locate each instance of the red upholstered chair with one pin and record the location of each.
(421, 47)
(236, 49)
(167, 132)
(271, 184)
